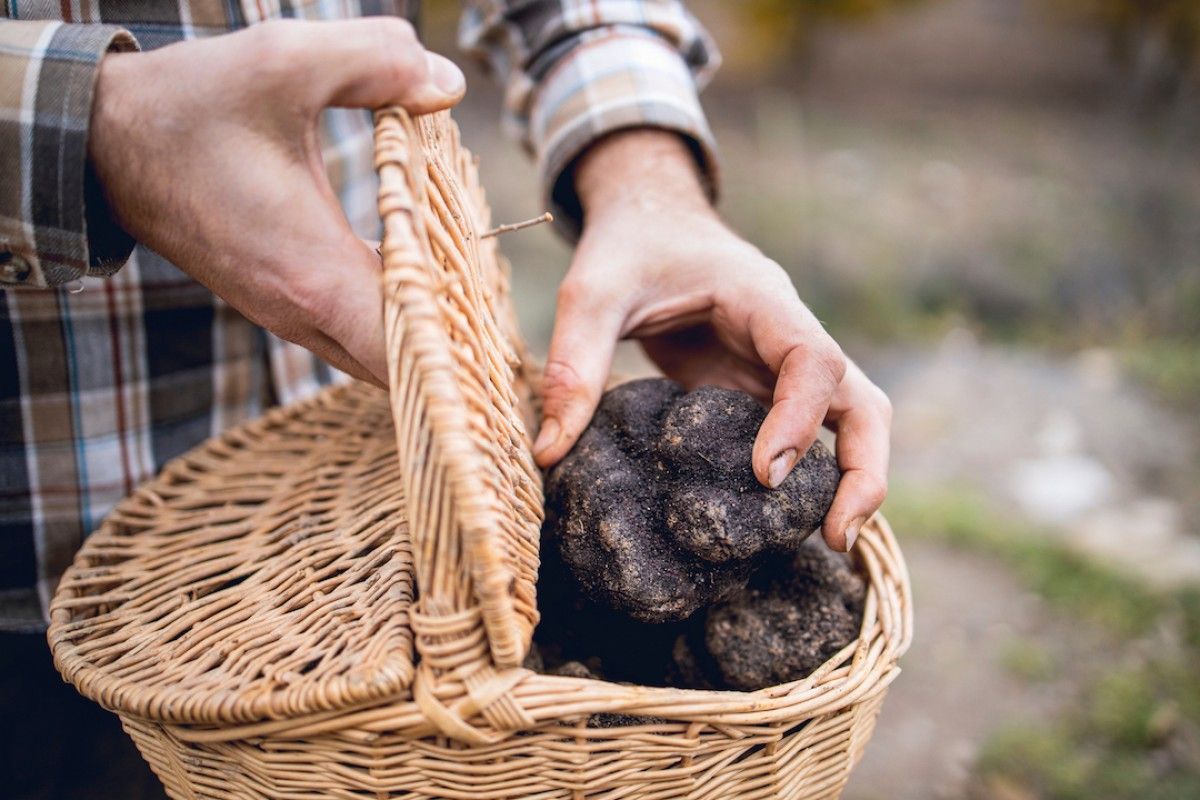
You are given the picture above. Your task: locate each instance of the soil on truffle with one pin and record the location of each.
(792, 618)
(656, 511)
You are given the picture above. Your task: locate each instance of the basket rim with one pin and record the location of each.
(855, 675)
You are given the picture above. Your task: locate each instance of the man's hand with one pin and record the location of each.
(657, 264)
(207, 152)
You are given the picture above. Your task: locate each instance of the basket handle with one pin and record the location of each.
(473, 493)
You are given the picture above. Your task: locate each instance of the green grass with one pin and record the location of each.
(1028, 660)
(1060, 762)
(1170, 367)
(1135, 735)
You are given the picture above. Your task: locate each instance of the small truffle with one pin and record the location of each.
(533, 659)
(686, 670)
(792, 618)
(574, 669)
(657, 512)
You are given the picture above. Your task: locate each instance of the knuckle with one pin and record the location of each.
(273, 52)
(404, 59)
(408, 67)
(875, 488)
(396, 29)
(560, 380)
(883, 403)
(274, 41)
(576, 292)
(767, 283)
(776, 275)
(828, 357)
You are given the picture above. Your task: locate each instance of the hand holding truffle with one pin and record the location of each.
(657, 264)
(656, 512)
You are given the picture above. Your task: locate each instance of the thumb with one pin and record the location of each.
(372, 62)
(586, 329)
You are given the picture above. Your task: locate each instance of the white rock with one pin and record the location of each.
(1058, 487)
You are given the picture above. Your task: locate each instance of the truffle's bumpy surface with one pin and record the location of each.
(793, 617)
(656, 511)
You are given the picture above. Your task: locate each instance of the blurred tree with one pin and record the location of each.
(1156, 41)
(779, 26)
(775, 12)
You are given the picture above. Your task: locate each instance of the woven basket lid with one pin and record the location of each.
(292, 565)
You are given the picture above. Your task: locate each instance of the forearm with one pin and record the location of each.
(642, 168)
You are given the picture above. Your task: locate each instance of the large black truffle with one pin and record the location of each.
(656, 511)
(794, 616)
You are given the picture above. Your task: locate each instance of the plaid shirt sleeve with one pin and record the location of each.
(54, 224)
(575, 70)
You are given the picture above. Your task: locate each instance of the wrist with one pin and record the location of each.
(646, 169)
(104, 135)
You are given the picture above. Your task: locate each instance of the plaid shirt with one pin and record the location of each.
(113, 361)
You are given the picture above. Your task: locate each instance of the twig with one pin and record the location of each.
(516, 226)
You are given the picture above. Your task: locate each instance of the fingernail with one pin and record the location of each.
(445, 75)
(547, 436)
(852, 532)
(781, 465)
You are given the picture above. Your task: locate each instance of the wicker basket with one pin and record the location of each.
(334, 600)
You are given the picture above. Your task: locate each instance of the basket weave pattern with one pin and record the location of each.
(334, 601)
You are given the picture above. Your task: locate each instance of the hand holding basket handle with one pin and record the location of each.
(226, 179)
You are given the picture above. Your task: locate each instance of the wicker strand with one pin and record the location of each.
(518, 226)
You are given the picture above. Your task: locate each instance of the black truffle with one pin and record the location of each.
(575, 669)
(793, 617)
(656, 511)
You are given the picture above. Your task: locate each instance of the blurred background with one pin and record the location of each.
(994, 205)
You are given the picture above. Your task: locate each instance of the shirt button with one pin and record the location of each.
(13, 268)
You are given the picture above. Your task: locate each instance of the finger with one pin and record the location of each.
(316, 342)
(356, 322)
(586, 330)
(861, 415)
(367, 63)
(337, 356)
(331, 285)
(808, 365)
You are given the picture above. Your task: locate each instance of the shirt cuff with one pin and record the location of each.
(70, 231)
(617, 80)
